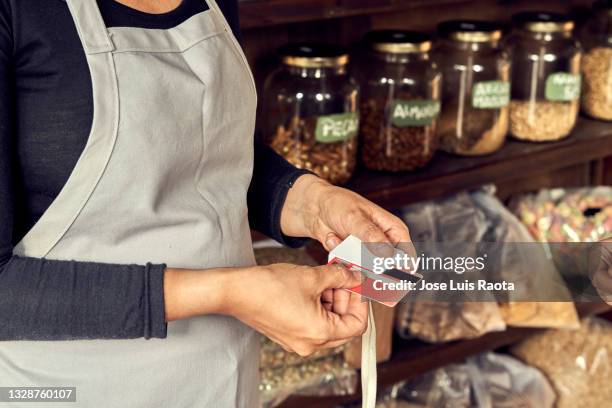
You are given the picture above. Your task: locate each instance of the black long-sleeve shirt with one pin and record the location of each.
(46, 112)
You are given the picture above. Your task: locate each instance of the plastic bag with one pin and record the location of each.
(504, 226)
(319, 377)
(564, 218)
(505, 382)
(489, 380)
(471, 219)
(454, 219)
(577, 363)
(272, 355)
(444, 321)
(567, 215)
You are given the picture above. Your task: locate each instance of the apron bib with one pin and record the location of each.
(163, 179)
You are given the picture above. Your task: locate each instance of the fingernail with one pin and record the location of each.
(332, 242)
(356, 274)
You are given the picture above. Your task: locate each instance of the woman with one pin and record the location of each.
(126, 169)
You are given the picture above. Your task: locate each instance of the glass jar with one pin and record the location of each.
(597, 62)
(475, 87)
(545, 76)
(310, 110)
(400, 101)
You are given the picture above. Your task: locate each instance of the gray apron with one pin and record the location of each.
(163, 179)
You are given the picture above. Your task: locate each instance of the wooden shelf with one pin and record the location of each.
(262, 13)
(413, 358)
(447, 174)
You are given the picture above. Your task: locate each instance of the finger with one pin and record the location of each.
(327, 237)
(395, 229)
(327, 296)
(373, 237)
(337, 343)
(331, 240)
(341, 301)
(327, 299)
(354, 322)
(337, 276)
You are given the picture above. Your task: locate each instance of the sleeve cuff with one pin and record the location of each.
(286, 183)
(155, 325)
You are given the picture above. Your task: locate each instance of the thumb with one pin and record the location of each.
(337, 276)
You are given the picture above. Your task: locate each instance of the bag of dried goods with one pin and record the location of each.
(319, 377)
(475, 220)
(571, 221)
(489, 380)
(546, 284)
(567, 215)
(438, 322)
(273, 356)
(577, 363)
(505, 382)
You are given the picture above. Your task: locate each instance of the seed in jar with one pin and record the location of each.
(334, 162)
(480, 131)
(394, 148)
(597, 75)
(542, 120)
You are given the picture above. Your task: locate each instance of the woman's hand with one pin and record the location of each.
(284, 302)
(329, 214)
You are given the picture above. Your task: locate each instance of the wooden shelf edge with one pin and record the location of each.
(264, 13)
(408, 364)
(591, 140)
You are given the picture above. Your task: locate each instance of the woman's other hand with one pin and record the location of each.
(329, 214)
(284, 302)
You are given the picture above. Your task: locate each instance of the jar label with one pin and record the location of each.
(490, 94)
(415, 112)
(562, 86)
(336, 128)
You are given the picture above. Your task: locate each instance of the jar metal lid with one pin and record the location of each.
(543, 22)
(398, 41)
(314, 55)
(470, 30)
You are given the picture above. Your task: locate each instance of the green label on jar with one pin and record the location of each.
(562, 86)
(490, 94)
(419, 112)
(336, 128)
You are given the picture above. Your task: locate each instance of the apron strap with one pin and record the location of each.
(90, 25)
(368, 363)
(214, 7)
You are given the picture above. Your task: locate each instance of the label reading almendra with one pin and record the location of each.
(419, 112)
(336, 128)
(490, 94)
(562, 87)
